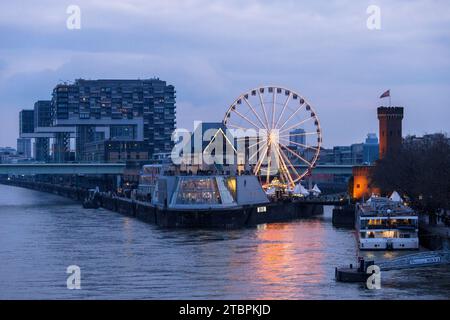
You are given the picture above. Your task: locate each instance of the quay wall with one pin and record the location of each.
(344, 216)
(248, 216)
(434, 237)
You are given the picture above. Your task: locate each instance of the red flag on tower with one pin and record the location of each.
(386, 94)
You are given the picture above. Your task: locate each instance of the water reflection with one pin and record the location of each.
(124, 258)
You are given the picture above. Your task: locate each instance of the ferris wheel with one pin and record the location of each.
(287, 144)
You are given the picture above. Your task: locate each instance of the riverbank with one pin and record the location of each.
(245, 216)
(434, 236)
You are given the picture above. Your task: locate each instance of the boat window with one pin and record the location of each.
(405, 235)
(231, 186)
(198, 191)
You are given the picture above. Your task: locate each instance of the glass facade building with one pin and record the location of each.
(142, 110)
(26, 121)
(42, 119)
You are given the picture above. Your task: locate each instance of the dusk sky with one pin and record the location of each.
(213, 50)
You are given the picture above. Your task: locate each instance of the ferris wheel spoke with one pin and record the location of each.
(250, 138)
(284, 108)
(264, 109)
(286, 158)
(292, 115)
(301, 145)
(256, 143)
(274, 98)
(254, 111)
(283, 164)
(297, 155)
(257, 151)
(296, 125)
(269, 163)
(247, 119)
(235, 126)
(260, 160)
(271, 153)
(298, 134)
(245, 138)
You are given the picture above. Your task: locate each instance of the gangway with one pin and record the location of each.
(417, 260)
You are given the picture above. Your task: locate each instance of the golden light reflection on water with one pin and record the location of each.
(287, 257)
(129, 235)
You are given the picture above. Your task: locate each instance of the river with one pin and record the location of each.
(123, 258)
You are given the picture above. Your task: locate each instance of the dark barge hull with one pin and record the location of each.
(241, 217)
(235, 218)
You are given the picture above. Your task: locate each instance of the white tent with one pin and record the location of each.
(300, 190)
(395, 197)
(315, 190)
(371, 197)
(270, 191)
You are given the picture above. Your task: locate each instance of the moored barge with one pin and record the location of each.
(220, 201)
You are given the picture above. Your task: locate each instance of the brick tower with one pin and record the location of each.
(390, 122)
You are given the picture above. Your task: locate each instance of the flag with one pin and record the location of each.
(386, 94)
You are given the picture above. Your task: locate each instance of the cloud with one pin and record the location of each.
(213, 50)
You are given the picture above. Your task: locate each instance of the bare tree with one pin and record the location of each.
(420, 171)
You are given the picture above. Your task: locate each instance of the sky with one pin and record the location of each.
(214, 50)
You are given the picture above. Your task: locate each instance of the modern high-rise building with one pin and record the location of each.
(342, 154)
(26, 121)
(297, 138)
(42, 119)
(390, 122)
(370, 149)
(24, 147)
(119, 110)
(357, 153)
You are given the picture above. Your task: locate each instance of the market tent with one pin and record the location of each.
(300, 190)
(395, 197)
(315, 190)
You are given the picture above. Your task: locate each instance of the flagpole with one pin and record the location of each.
(390, 99)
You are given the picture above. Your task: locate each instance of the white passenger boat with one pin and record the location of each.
(386, 224)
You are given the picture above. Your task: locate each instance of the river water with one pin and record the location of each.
(123, 258)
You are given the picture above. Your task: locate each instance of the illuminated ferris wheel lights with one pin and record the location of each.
(291, 136)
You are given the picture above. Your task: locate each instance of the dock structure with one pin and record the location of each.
(410, 261)
(417, 260)
(62, 168)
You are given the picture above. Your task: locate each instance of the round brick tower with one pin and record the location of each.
(390, 123)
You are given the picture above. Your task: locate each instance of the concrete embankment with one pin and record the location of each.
(434, 237)
(133, 208)
(245, 216)
(77, 194)
(344, 216)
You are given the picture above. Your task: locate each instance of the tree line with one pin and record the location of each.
(420, 171)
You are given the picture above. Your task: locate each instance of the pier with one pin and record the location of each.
(411, 261)
(62, 168)
(247, 216)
